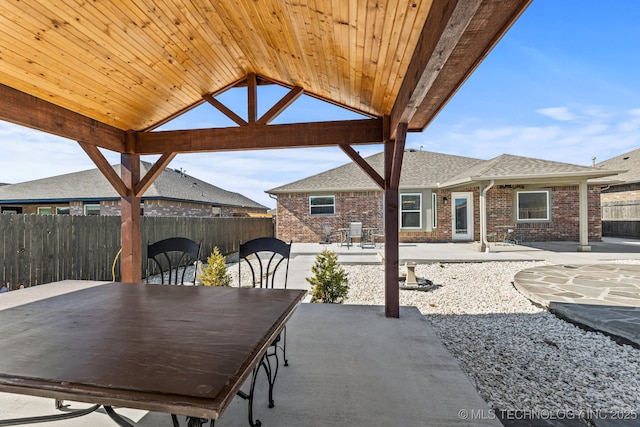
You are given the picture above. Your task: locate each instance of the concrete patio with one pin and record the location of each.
(349, 365)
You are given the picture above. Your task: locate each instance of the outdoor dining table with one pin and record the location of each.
(174, 349)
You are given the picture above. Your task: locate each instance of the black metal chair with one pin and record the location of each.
(170, 258)
(268, 262)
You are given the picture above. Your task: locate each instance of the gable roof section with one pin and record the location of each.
(425, 169)
(420, 169)
(629, 162)
(525, 170)
(91, 185)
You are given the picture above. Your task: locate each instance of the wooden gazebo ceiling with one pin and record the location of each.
(130, 65)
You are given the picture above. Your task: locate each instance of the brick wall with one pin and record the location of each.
(565, 214)
(295, 223)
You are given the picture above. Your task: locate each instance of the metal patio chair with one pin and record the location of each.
(171, 258)
(355, 232)
(267, 259)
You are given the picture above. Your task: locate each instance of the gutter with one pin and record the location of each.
(483, 210)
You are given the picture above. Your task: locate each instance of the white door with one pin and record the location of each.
(462, 216)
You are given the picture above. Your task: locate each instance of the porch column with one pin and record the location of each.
(484, 247)
(584, 217)
(131, 262)
(393, 153)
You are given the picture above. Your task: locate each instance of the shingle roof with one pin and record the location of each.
(92, 185)
(512, 168)
(628, 161)
(420, 169)
(425, 169)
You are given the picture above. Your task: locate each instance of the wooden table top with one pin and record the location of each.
(174, 349)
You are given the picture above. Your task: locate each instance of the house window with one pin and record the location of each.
(92, 209)
(434, 210)
(411, 211)
(63, 211)
(322, 205)
(12, 210)
(533, 205)
(44, 211)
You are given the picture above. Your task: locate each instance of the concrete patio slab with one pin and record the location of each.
(349, 366)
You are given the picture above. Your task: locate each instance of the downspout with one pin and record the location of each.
(483, 214)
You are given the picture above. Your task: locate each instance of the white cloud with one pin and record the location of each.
(558, 113)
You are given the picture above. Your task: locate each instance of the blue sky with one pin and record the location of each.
(561, 85)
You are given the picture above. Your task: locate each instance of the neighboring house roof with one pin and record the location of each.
(420, 169)
(630, 162)
(425, 169)
(91, 185)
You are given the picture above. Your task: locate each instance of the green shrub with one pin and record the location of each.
(329, 283)
(215, 272)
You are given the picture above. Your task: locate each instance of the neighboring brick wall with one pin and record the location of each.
(294, 222)
(151, 208)
(172, 208)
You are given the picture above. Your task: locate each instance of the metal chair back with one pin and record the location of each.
(266, 257)
(171, 258)
(355, 232)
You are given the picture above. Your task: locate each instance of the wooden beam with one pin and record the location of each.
(130, 234)
(298, 135)
(445, 24)
(364, 165)
(151, 175)
(252, 98)
(103, 165)
(26, 110)
(225, 110)
(280, 106)
(398, 154)
(490, 23)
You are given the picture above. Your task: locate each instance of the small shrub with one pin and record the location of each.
(329, 283)
(215, 272)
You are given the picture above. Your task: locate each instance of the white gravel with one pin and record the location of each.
(519, 356)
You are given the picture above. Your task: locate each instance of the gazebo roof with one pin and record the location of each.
(135, 65)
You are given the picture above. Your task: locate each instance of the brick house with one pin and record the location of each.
(88, 192)
(441, 197)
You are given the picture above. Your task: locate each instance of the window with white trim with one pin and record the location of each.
(92, 209)
(532, 205)
(322, 205)
(411, 211)
(44, 210)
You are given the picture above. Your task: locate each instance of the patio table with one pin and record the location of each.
(173, 349)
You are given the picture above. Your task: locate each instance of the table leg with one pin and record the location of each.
(48, 418)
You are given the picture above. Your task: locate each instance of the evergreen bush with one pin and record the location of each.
(215, 272)
(329, 283)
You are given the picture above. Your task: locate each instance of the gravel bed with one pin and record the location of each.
(519, 356)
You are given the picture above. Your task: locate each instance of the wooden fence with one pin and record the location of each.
(621, 229)
(38, 249)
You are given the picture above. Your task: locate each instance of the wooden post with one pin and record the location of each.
(393, 153)
(131, 264)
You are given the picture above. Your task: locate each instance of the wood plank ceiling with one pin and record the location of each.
(134, 64)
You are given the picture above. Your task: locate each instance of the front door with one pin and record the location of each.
(462, 216)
